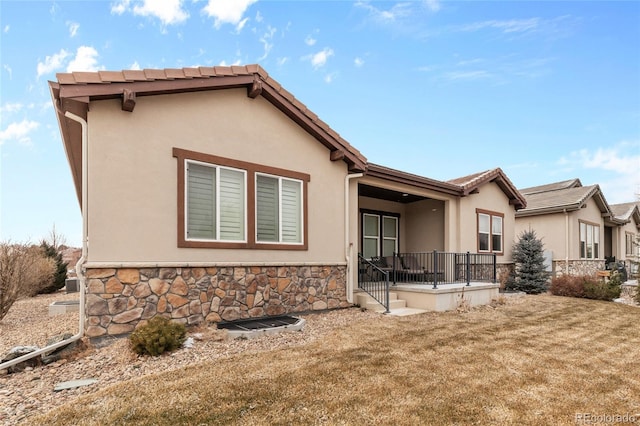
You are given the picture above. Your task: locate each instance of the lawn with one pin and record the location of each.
(540, 360)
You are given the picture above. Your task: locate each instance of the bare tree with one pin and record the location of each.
(55, 239)
(24, 270)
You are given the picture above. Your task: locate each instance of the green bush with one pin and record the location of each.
(600, 290)
(159, 335)
(568, 285)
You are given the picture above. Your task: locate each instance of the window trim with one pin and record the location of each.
(595, 240)
(218, 168)
(381, 215)
(251, 169)
(491, 215)
(280, 224)
(631, 247)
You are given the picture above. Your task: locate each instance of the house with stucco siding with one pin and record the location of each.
(213, 194)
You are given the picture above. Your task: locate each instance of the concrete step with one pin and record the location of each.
(367, 302)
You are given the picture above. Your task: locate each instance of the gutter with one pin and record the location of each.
(348, 245)
(81, 261)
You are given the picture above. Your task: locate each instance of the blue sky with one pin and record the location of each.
(545, 90)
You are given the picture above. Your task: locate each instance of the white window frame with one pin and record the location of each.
(589, 235)
(384, 238)
(280, 179)
(368, 237)
(217, 169)
(491, 217)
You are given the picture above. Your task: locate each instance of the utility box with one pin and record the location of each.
(71, 285)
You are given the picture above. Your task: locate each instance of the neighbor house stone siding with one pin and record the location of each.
(577, 267)
(118, 300)
(628, 290)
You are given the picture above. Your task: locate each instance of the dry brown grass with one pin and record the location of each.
(537, 362)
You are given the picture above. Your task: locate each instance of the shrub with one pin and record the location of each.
(600, 290)
(530, 273)
(568, 285)
(24, 271)
(157, 336)
(59, 276)
(637, 296)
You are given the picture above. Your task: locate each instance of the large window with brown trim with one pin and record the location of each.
(490, 231)
(589, 240)
(226, 203)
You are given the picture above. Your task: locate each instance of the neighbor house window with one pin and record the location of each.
(379, 234)
(630, 243)
(278, 209)
(216, 203)
(490, 231)
(589, 240)
(226, 203)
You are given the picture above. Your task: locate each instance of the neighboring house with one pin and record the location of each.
(576, 225)
(213, 194)
(626, 237)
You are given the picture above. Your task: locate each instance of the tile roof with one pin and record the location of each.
(625, 211)
(73, 91)
(569, 198)
(472, 182)
(571, 183)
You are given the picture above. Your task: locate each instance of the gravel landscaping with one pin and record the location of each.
(31, 392)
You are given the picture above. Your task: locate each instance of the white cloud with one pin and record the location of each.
(282, 61)
(330, 77)
(619, 163)
(398, 11)
(241, 25)
(73, 28)
(135, 66)
(19, 132)
(6, 28)
(358, 62)
(259, 17)
(319, 59)
(508, 26)
(433, 5)
(310, 41)
(224, 63)
(266, 41)
(86, 59)
(9, 71)
(227, 11)
(52, 63)
(120, 7)
(168, 11)
(467, 75)
(10, 107)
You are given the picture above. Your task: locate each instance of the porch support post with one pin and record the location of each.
(435, 269)
(468, 268)
(494, 268)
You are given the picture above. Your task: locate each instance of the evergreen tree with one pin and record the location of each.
(530, 274)
(60, 274)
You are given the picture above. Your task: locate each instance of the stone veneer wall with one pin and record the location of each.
(577, 267)
(118, 300)
(628, 290)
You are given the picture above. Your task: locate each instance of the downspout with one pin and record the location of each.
(79, 265)
(348, 245)
(566, 241)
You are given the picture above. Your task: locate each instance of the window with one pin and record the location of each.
(589, 241)
(630, 243)
(278, 209)
(225, 203)
(379, 234)
(490, 231)
(215, 203)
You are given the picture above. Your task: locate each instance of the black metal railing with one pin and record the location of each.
(438, 267)
(374, 280)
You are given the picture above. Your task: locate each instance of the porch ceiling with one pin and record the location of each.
(388, 194)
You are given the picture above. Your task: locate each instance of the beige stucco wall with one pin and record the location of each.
(621, 231)
(421, 228)
(133, 175)
(491, 198)
(552, 228)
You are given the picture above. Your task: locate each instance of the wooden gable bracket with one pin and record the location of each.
(336, 155)
(128, 100)
(256, 88)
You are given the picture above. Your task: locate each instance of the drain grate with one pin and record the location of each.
(261, 326)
